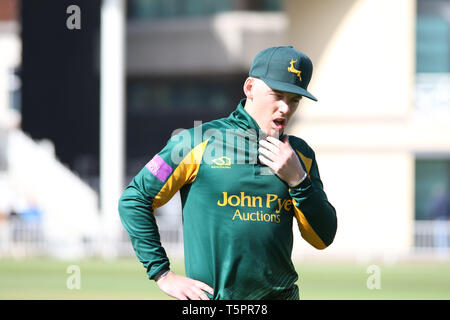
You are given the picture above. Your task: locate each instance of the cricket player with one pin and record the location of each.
(242, 183)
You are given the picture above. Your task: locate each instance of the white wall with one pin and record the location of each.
(364, 128)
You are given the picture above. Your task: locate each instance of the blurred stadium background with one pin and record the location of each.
(76, 125)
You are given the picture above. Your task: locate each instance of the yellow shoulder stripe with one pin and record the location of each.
(185, 173)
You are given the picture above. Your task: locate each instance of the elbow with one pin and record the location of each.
(327, 235)
(124, 203)
(322, 244)
(330, 235)
(321, 228)
(133, 202)
(122, 209)
(121, 206)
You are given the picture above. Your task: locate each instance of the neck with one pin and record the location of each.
(253, 112)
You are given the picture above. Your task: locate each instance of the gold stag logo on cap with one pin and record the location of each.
(293, 70)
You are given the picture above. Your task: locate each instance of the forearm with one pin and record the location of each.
(314, 213)
(136, 214)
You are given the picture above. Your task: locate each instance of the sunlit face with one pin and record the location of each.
(271, 109)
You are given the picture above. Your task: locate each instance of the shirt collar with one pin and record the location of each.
(242, 119)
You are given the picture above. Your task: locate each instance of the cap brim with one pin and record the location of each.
(287, 87)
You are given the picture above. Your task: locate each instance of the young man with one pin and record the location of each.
(242, 183)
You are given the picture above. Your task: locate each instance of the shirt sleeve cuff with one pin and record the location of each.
(299, 182)
(161, 273)
(301, 191)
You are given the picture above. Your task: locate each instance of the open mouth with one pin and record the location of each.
(280, 122)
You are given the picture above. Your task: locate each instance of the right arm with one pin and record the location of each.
(151, 188)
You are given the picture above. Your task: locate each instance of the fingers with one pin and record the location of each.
(269, 155)
(200, 288)
(272, 147)
(269, 146)
(267, 162)
(184, 288)
(279, 157)
(279, 143)
(198, 294)
(274, 141)
(204, 287)
(191, 294)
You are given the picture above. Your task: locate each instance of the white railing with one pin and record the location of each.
(20, 239)
(432, 236)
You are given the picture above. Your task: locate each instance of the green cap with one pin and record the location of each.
(283, 69)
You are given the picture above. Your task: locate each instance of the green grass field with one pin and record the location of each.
(126, 279)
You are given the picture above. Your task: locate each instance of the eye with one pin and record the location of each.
(296, 99)
(277, 96)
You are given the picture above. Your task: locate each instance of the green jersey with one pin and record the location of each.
(237, 215)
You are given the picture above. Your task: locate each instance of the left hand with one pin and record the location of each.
(184, 288)
(281, 159)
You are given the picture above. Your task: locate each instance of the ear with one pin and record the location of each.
(248, 87)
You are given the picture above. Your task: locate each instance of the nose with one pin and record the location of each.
(283, 105)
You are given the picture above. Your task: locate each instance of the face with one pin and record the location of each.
(271, 109)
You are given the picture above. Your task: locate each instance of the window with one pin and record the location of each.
(433, 36)
(184, 96)
(160, 9)
(432, 188)
(433, 56)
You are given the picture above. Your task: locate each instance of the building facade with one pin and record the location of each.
(379, 68)
(381, 125)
